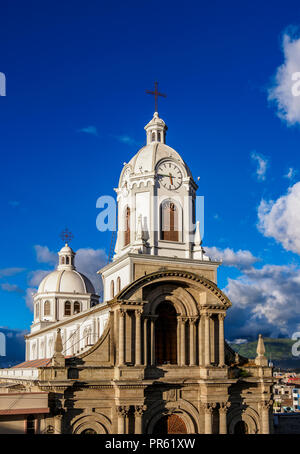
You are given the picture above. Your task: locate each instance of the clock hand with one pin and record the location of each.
(170, 175)
(164, 175)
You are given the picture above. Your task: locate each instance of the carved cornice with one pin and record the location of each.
(208, 407)
(211, 286)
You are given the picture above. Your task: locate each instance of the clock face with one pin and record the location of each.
(169, 175)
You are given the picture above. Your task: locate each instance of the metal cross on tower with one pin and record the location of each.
(156, 93)
(66, 235)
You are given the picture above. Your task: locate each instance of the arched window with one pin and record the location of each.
(112, 289)
(169, 221)
(153, 137)
(30, 424)
(76, 307)
(47, 308)
(67, 260)
(118, 284)
(62, 260)
(67, 308)
(166, 334)
(158, 136)
(127, 227)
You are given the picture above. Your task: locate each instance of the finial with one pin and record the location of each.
(260, 359)
(58, 342)
(198, 240)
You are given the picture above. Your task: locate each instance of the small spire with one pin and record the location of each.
(58, 359)
(260, 359)
(198, 240)
(58, 342)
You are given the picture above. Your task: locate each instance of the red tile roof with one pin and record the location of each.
(45, 362)
(34, 363)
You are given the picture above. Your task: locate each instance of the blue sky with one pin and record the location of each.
(75, 110)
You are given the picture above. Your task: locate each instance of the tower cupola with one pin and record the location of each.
(66, 258)
(156, 130)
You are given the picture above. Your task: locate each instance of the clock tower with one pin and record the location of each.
(156, 199)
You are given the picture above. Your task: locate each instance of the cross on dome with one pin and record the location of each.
(156, 93)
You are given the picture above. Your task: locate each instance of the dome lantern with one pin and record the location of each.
(66, 258)
(156, 130)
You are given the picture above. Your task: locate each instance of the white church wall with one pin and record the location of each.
(123, 272)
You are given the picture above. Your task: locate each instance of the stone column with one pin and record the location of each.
(152, 335)
(121, 335)
(138, 414)
(208, 412)
(145, 341)
(207, 339)
(178, 341)
(182, 341)
(58, 429)
(200, 355)
(122, 412)
(221, 340)
(192, 341)
(222, 417)
(138, 359)
(265, 418)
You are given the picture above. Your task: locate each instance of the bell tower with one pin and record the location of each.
(156, 198)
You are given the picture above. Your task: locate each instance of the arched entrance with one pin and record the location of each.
(241, 428)
(166, 334)
(170, 424)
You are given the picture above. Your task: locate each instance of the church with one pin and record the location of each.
(150, 358)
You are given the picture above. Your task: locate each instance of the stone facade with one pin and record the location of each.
(161, 364)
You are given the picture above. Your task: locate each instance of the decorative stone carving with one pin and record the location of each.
(122, 410)
(224, 407)
(139, 410)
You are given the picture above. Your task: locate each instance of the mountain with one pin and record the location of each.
(12, 347)
(279, 351)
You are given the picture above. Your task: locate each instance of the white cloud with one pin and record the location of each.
(240, 259)
(44, 255)
(262, 164)
(285, 87)
(11, 288)
(291, 173)
(88, 262)
(266, 301)
(92, 130)
(126, 139)
(280, 219)
(29, 297)
(5, 272)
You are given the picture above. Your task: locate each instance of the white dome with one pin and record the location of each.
(66, 281)
(148, 157)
